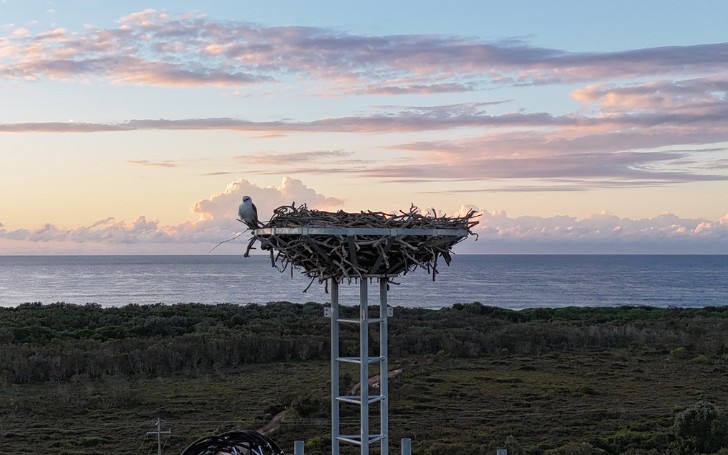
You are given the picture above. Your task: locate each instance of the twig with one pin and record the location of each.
(228, 240)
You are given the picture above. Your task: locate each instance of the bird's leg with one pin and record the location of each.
(250, 247)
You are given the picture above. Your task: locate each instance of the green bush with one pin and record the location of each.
(315, 442)
(702, 427)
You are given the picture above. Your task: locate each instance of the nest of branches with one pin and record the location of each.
(341, 245)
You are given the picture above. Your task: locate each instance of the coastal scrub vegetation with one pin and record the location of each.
(633, 380)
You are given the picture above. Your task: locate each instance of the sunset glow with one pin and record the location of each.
(138, 127)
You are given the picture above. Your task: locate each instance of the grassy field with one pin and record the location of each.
(551, 392)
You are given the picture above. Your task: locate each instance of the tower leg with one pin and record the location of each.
(364, 364)
(335, 430)
(364, 439)
(383, 367)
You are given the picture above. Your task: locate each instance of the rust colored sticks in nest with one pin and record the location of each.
(341, 245)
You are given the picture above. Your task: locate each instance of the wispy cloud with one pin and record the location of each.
(642, 116)
(634, 145)
(166, 163)
(403, 120)
(287, 159)
(152, 47)
(636, 157)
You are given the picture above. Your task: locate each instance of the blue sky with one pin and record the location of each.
(137, 127)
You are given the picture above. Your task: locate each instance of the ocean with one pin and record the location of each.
(507, 281)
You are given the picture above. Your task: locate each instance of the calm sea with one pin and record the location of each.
(518, 281)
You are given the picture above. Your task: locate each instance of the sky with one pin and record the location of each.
(572, 127)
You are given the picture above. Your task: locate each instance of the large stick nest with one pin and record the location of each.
(351, 255)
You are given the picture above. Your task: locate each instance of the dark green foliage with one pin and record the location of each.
(703, 427)
(59, 341)
(474, 378)
(310, 407)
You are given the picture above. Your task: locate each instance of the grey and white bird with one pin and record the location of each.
(248, 213)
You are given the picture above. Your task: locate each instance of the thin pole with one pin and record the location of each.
(159, 434)
(383, 367)
(334, 367)
(364, 364)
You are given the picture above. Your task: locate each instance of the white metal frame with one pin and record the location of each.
(364, 439)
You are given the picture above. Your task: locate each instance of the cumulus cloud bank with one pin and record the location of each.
(600, 233)
(224, 204)
(216, 221)
(497, 232)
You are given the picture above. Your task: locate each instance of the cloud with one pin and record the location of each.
(212, 174)
(153, 47)
(421, 89)
(636, 135)
(645, 117)
(216, 220)
(389, 119)
(224, 205)
(599, 233)
(659, 100)
(166, 163)
(286, 159)
(21, 31)
(546, 147)
(568, 154)
(497, 232)
(108, 230)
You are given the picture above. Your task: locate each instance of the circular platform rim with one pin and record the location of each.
(363, 231)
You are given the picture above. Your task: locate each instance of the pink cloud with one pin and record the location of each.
(55, 35)
(652, 131)
(147, 18)
(21, 31)
(166, 163)
(630, 148)
(287, 159)
(599, 233)
(699, 96)
(208, 52)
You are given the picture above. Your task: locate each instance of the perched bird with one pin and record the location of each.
(248, 213)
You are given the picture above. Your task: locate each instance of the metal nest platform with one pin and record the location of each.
(341, 245)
